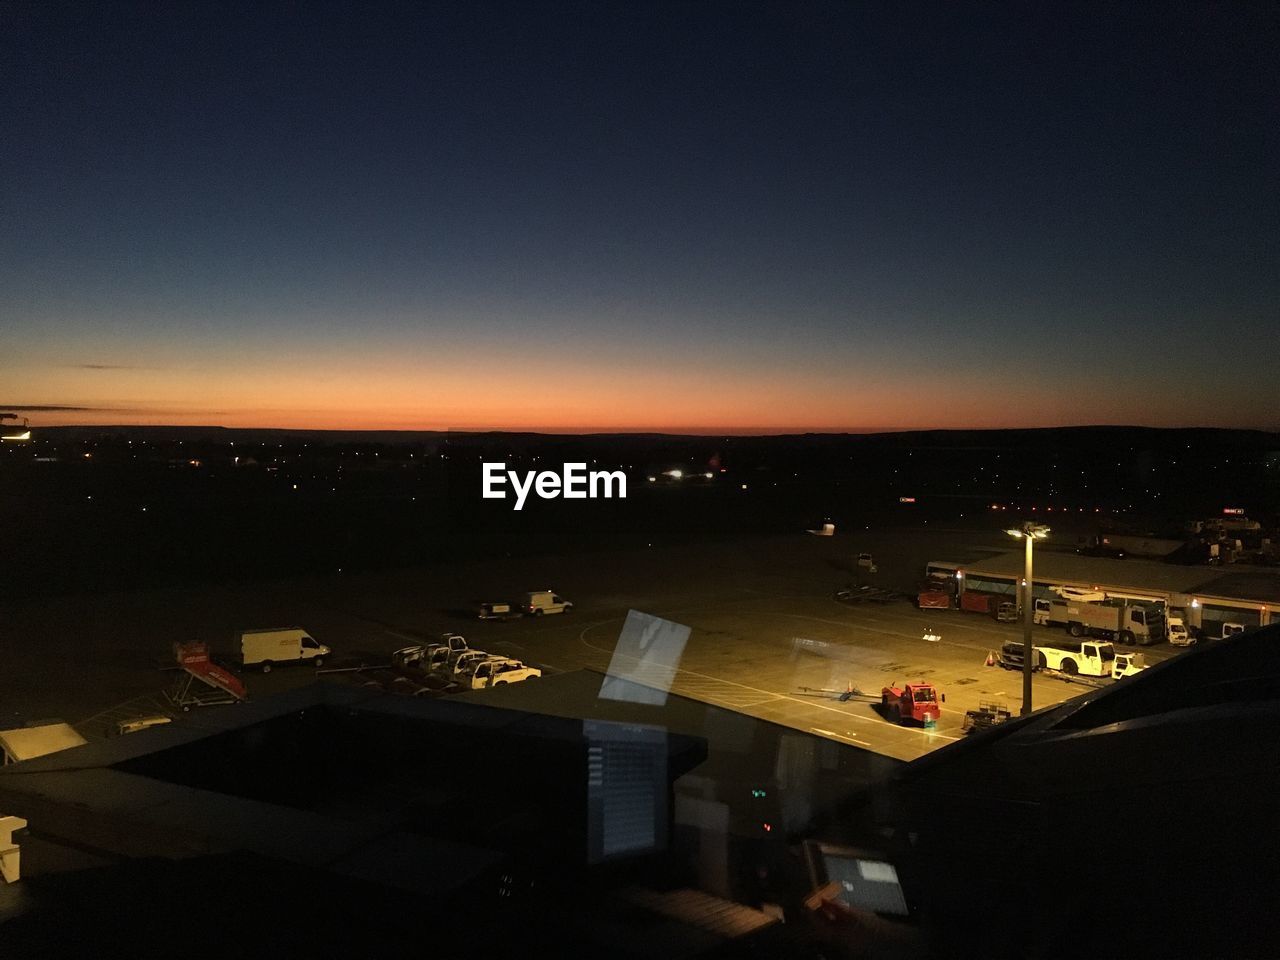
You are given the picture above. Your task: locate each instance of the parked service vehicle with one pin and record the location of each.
(936, 593)
(1011, 658)
(1088, 658)
(266, 648)
(1123, 621)
(409, 657)
(1231, 629)
(454, 642)
(497, 671)
(993, 605)
(539, 602)
(988, 714)
(917, 702)
(499, 611)
(429, 656)
(867, 564)
(445, 653)
(1040, 612)
(1176, 632)
(1127, 664)
(465, 663)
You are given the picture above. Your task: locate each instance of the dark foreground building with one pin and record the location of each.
(1139, 820)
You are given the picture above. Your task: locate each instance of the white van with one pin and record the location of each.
(545, 601)
(266, 648)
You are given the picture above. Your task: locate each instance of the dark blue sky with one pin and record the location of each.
(671, 215)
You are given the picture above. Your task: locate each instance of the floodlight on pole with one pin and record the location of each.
(1030, 532)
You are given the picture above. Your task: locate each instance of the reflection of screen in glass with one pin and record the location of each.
(868, 884)
(626, 789)
(645, 659)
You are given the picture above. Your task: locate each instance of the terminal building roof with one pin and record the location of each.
(1256, 584)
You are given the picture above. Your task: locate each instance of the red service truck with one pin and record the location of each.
(936, 593)
(994, 605)
(918, 702)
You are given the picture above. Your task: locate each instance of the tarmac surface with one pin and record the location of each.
(768, 637)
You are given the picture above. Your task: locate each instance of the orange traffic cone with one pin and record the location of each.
(991, 659)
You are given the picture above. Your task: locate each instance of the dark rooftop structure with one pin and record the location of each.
(1137, 820)
(1094, 828)
(381, 801)
(1243, 583)
(1263, 585)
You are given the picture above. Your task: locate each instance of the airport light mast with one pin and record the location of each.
(1030, 532)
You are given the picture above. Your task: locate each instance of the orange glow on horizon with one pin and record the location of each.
(552, 393)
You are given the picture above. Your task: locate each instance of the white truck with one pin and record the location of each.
(1118, 619)
(539, 602)
(1175, 630)
(1088, 658)
(496, 671)
(267, 647)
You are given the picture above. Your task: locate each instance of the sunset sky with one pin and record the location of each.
(675, 216)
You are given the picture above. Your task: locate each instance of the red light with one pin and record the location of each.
(768, 827)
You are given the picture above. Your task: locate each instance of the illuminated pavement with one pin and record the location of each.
(765, 627)
(773, 658)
